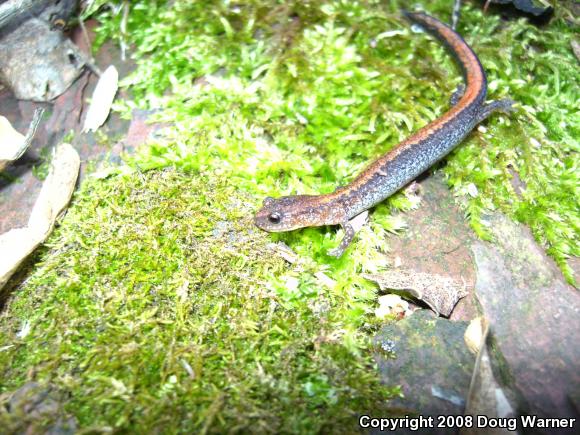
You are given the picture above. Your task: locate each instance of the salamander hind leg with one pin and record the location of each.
(505, 105)
(349, 233)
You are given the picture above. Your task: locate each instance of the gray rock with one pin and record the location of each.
(431, 363)
(535, 322)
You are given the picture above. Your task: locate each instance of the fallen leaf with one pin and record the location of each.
(12, 143)
(576, 49)
(325, 279)
(439, 292)
(11, 140)
(102, 100)
(284, 251)
(57, 189)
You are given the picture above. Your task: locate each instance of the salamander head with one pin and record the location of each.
(297, 211)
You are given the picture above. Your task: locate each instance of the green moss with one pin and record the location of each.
(153, 308)
(307, 110)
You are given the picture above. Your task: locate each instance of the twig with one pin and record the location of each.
(456, 14)
(31, 131)
(123, 29)
(90, 61)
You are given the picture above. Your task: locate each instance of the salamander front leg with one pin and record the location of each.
(348, 236)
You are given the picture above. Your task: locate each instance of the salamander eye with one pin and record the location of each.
(275, 218)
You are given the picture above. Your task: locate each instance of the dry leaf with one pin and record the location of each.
(17, 244)
(10, 139)
(487, 396)
(576, 49)
(102, 100)
(284, 251)
(12, 143)
(441, 293)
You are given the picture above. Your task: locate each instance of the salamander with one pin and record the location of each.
(403, 163)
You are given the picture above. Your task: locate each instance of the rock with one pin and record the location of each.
(437, 243)
(431, 363)
(35, 408)
(49, 61)
(534, 319)
(486, 397)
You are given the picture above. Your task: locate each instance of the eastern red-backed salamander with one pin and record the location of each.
(399, 166)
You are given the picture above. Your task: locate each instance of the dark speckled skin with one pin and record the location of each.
(403, 163)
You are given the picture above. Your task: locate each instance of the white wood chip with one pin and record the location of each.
(325, 279)
(359, 221)
(102, 100)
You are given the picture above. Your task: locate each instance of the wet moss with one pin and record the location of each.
(331, 85)
(154, 308)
